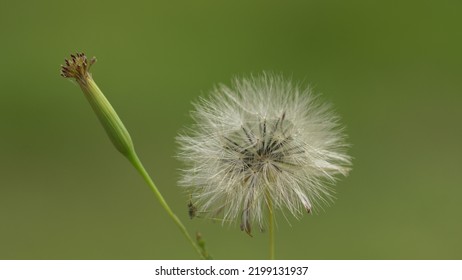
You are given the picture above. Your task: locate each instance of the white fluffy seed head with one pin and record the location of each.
(262, 139)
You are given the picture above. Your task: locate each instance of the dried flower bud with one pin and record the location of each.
(78, 67)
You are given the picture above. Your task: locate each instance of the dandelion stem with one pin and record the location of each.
(133, 158)
(78, 67)
(271, 226)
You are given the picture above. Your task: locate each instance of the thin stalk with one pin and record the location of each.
(271, 226)
(140, 168)
(78, 67)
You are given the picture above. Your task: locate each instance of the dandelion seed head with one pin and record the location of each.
(261, 139)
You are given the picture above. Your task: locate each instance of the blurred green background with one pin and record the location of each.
(393, 69)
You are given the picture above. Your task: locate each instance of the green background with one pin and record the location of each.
(393, 69)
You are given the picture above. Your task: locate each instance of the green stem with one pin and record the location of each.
(139, 166)
(78, 67)
(271, 226)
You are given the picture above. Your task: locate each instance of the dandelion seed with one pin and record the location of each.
(261, 144)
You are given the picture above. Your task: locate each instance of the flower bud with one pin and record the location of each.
(78, 67)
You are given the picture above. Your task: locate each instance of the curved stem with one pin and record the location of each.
(78, 67)
(271, 227)
(139, 166)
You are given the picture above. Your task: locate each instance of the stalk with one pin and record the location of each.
(271, 227)
(78, 67)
